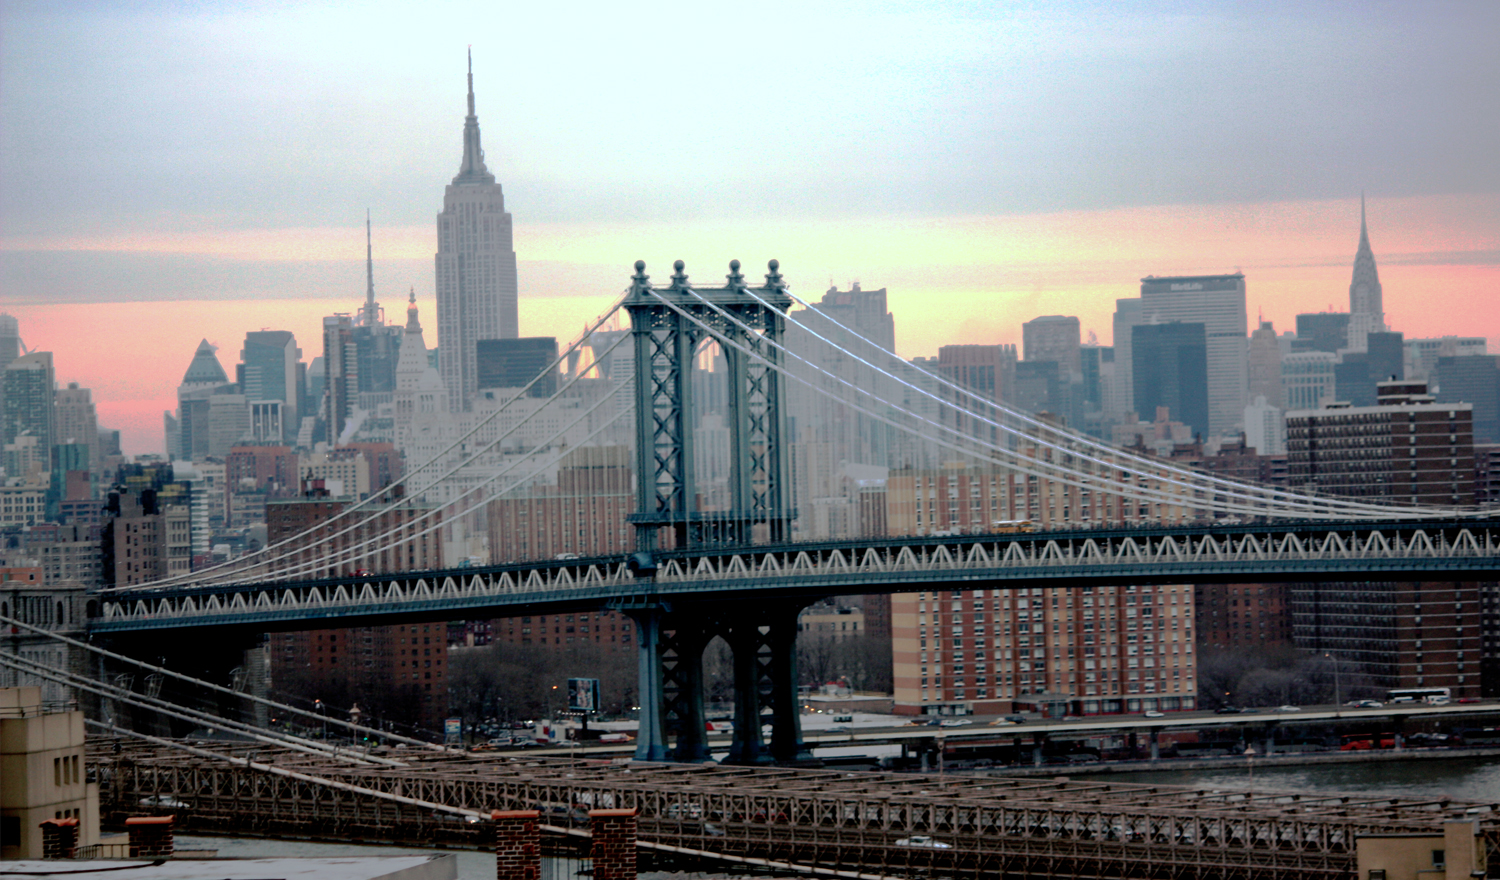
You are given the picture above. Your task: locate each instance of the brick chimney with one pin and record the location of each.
(150, 836)
(613, 848)
(518, 848)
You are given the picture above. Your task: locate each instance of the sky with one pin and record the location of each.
(171, 172)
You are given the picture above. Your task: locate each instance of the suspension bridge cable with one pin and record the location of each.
(396, 532)
(250, 563)
(162, 670)
(561, 358)
(1058, 472)
(1043, 425)
(1303, 502)
(181, 713)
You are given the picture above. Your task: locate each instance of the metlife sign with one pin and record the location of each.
(1193, 284)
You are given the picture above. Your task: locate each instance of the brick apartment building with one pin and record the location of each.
(1242, 615)
(1103, 650)
(1408, 449)
(394, 673)
(583, 514)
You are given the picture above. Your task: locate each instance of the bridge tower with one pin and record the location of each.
(668, 326)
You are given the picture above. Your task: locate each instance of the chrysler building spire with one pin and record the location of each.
(472, 170)
(1366, 306)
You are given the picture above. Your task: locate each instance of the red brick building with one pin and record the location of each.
(1243, 615)
(394, 673)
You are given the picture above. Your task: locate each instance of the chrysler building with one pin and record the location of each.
(476, 267)
(1366, 311)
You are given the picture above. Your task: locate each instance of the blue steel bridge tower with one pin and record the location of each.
(669, 326)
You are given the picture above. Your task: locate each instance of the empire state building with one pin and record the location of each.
(476, 267)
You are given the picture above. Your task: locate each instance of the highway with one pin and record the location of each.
(1486, 713)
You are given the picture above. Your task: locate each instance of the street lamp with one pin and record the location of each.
(1338, 699)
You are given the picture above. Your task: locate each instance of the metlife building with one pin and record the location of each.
(1218, 303)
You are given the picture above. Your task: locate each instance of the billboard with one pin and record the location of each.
(453, 728)
(583, 694)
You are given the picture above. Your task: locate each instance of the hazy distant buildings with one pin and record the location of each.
(1422, 354)
(1265, 427)
(28, 404)
(1218, 303)
(1358, 373)
(1322, 331)
(476, 267)
(1127, 315)
(1053, 338)
(1172, 370)
(77, 421)
(512, 363)
(1472, 379)
(341, 375)
(1307, 378)
(204, 378)
(1264, 366)
(271, 369)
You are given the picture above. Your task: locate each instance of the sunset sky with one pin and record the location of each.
(172, 171)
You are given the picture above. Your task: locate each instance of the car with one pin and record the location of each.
(922, 841)
(1015, 719)
(1227, 710)
(1370, 704)
(1468, 699)
(1249, 710)
(1289, 708)
(1152, 713)
(1002, 722)
(163, 801)
(954, 722)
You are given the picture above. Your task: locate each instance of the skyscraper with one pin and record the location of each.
(1218, 303)
(29, 404)
(1171, 361)
(268, 370)
(1052, 338)
(1366, 308)
(476, 267)
(341, 385)
(377, 345)
(1265, 366)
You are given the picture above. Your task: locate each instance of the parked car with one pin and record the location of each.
(922, 841)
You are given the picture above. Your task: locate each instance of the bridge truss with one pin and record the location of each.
(820, 820)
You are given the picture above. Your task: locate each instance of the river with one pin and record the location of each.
(1460, 778)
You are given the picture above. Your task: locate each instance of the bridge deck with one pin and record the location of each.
(833, 819)
(1457, 550)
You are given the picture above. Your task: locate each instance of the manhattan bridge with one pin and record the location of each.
(717, 551)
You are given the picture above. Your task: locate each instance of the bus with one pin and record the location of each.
(1434, 695)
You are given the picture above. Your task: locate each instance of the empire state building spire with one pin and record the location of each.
(475, 268)
(472, 170)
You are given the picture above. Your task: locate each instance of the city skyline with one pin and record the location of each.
(948, 229)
